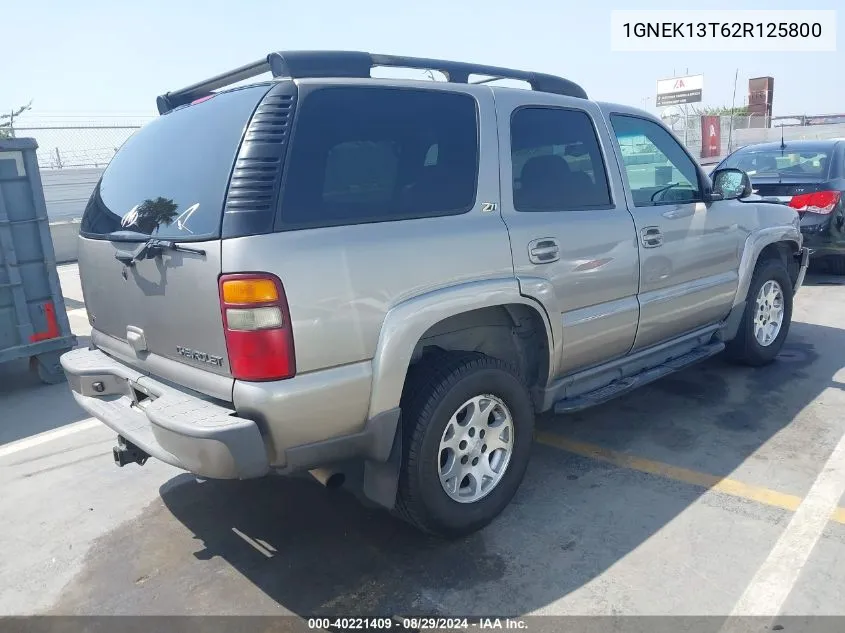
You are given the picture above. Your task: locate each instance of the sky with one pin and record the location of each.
(112, 58)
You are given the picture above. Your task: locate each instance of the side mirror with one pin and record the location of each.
(730, 184)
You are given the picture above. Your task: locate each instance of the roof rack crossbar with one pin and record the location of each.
(301, 64)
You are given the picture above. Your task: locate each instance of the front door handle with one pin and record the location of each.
(544, 250)
(681, 212)
(651, 237)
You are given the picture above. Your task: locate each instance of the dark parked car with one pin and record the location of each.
(809, 176)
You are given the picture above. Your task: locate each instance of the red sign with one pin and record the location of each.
(711, 136)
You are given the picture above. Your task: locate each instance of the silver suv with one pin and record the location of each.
(330, 268)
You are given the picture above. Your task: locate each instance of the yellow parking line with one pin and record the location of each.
(702, 480)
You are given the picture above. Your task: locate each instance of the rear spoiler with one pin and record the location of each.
(300, 64)
(170, 100)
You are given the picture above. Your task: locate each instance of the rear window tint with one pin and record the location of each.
(371, 154)
(556, 161)
(169, 179)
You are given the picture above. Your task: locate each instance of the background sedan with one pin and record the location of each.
(809, 176)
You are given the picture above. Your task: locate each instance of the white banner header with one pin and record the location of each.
(770, 30)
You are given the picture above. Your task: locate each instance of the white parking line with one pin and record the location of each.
(255, 544)
(773, 582)
(48, 436)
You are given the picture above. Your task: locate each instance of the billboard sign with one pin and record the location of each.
(679, 90)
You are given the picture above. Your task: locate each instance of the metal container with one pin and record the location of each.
(33, 321)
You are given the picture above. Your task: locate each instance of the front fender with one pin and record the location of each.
(405, 324)
(754, 245)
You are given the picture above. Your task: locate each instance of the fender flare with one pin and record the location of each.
(754, 245)
(405, 324)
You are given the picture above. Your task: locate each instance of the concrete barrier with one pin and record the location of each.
(64, 234)
(66, 191)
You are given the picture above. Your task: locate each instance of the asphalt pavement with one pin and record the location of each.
(715, 491)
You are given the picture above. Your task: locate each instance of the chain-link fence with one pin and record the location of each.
(689, 130)
(731, 133)
(72, 158)
(76, 146)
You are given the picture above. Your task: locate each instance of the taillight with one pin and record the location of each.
(822, 202)
(256, 319)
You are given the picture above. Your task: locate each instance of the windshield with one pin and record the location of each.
(169, 179)
(786, 164)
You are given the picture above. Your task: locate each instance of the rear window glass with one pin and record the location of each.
(370, 154)
(169, 179)
(774, 162)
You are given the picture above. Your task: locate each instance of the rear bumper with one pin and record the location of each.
(820, 235)
(210, 440)
(822, 248)
(173, 426)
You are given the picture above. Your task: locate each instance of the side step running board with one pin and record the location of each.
(624, 385)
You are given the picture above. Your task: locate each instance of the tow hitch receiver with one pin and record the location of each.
(127, 453)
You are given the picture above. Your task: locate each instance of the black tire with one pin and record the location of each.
(745, 348)
(48, 368)
(436, 388)
(836, 264)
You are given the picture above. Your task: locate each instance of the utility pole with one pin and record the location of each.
(733, 105)
(686, 116)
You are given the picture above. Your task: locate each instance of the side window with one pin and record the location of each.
(556, 161)
(658, 170)
(372, 154)
(360, 171)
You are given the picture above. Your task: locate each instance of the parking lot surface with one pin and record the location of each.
(718, 490)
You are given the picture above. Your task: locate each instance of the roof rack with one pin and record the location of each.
(299, 64)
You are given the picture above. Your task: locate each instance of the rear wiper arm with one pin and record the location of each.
(153, 247)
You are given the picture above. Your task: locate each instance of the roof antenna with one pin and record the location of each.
(782, 144)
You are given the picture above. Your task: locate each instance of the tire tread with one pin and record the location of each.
(740, 349)
(428, 383)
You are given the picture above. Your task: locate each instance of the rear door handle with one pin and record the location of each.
(651, 237)
(544, 250)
